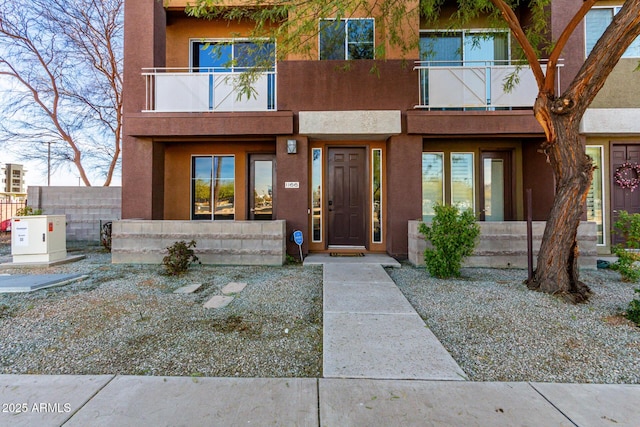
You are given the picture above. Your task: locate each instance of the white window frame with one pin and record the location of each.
(444, 177)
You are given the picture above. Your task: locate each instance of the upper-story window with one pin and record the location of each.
(597, 21)
(232, 55)
(454, 48)
(347, 38)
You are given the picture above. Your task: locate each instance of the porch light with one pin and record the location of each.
(292, 146)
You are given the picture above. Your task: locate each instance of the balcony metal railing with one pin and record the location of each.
(200, 90)
(476, 85)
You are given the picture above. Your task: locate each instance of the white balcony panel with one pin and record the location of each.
(227, 94)
(181, 92)
(453, 87)
(523, 93)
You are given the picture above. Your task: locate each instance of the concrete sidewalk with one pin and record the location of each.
(382, 367)
(107, 400)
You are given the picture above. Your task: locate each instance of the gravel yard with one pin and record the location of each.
(124, 319)
(498, 330)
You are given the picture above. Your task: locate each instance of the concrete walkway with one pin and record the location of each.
(371, 330)
(376, 374)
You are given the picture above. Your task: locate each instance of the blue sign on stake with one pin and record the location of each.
(298, 239)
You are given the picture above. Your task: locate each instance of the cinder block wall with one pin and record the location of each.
(217, 242)
(83, 206)
(504, 245)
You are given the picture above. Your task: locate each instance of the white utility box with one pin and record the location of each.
(39, 238)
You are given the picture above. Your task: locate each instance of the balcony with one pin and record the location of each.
(475, 85)
(207, 90)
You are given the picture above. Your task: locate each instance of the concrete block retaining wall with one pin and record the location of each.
(504, 245)
(83, 206)
(217, 242)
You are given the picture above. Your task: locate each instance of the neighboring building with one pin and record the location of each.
(348, 157)
(13, 182)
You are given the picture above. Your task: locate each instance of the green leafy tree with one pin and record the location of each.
(294, 23)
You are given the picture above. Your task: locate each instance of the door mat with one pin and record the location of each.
(353, 254)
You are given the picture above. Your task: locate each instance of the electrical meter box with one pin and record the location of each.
(39, 238)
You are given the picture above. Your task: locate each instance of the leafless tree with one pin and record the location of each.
(61, 81)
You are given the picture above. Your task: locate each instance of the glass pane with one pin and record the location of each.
(493, 189)
(202, 206)
(376, 183)
(224, 187)
(432, 183)
(263, 189)
(595, 197)
(209, 55)
(462, 180)
(479, 47)
(249, 54)
(597, 21)
(332, 39)
(441, 47)
(316, 194)
(360, 38)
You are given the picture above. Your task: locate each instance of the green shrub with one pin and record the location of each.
(453, 236)
(180, 257)
(28, 211)
(628, 225)
(633, 312)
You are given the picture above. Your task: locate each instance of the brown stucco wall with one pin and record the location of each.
(442, 123)
(404, 197)
(143, 47)
(573, 53)
(326, 86)
(537, 175)
(293, 203)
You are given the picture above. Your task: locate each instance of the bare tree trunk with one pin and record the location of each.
(557, 267)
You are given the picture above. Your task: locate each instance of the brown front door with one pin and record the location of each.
(623, 199)
(496, 195)
(347, 196)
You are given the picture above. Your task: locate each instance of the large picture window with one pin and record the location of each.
(597, 21)
(213, 187)
(459, 177)
(347, 39)
(456, 48)
(232, 55)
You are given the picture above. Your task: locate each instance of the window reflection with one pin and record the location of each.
(462, 180)
(595, 197)
(316, 194)
(432, 183)
(213, 187)
(376, 183)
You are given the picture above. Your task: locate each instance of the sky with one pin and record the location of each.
(36, 174)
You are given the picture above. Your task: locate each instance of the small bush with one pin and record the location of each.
(628, 225)
(633, 312)
(28, 211)
(453, 236)
(180, 257)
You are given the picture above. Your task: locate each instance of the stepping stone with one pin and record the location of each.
(189, 289)
(218, 301)
(233, 288)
